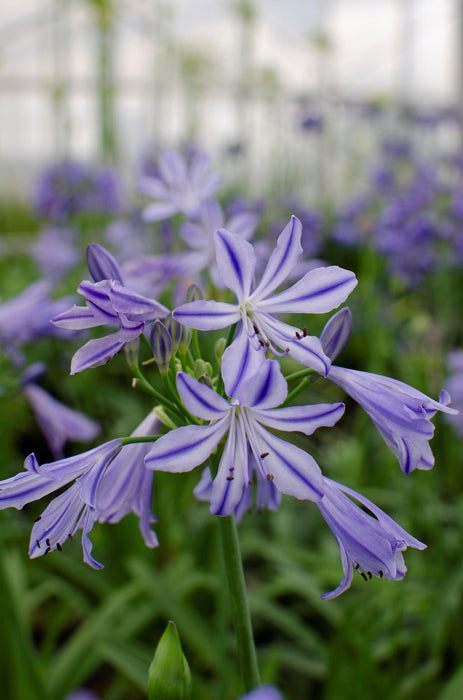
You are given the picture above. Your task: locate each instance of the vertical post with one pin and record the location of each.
(60, 88)
(104, 17)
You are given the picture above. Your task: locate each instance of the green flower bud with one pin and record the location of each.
(193, 293)
(169, 673)
(181, 335)
(131, 353)
(219, 349)
(201, 367)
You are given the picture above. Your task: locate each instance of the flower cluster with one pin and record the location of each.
(221, 410)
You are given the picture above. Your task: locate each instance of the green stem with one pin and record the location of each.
(239, 602)
(292, 394)
(300, 374)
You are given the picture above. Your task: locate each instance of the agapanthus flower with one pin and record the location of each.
(252, 406)
(55, 252)
(110, 481)
(400, 413)
(67, 188)
(181, 186)
(26, 317)
(455, 386)
(319, 291)
(370, 542)
(58, 422)
(109, 303)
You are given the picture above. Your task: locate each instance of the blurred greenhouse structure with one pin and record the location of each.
(290, 88)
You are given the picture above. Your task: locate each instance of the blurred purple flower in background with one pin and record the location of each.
(67, 188)
(55, 252)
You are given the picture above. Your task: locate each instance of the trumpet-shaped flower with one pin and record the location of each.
(252, 407)
(400, 413)
(108, 303)
(179, 186)
(319, 291)
(370, 542)
(109, 482)
(58, 422)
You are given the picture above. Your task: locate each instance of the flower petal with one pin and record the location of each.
(185, 448)
(282, 260)
(319, 291)
(157, 211)
(135, 306)
(77, 318)
(240, 361)
(264, 389)
(303, 419)
(98, 351)
(236, 262)
(336, 332)
(292, 470)
(232, 474)
(199, 399)
(207, 315)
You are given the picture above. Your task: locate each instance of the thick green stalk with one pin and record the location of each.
(239, 602)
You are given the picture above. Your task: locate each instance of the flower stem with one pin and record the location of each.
(239, 602)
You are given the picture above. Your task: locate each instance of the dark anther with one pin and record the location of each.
(59, 547)
(264, 454)
(256, 330)
(262, 342)
(230, 478)
(250, 482)
(356, 566)
(286, 349)
(70, 536)
(298, 335)
(267, 344)
(381, 573)
(48, 542)
(304, 332)
(369, 574)
(38, 544)
(231, 469)
(363, 575)
(47, 550)
(269, 477)
(37, 519)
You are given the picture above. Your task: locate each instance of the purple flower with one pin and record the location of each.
(400, 413)
(108, 303)
(67, 188)
(179, 187)
(319, 291)
(27, 316)
(109, 481)
(370, 542)
(252, 407)
(58, 422)
(73, 509)
(55, 252)
(264, 692)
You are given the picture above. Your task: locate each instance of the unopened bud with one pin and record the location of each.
(161, 345)
(180, 334)
(194, 293)
(201, 367)
(131, 353)
(101, 264)
(169, 673)
(220, 346)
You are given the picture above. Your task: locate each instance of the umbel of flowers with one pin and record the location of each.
(221, 417)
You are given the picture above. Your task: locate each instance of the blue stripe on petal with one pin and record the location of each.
(199, 399)
(236, 262)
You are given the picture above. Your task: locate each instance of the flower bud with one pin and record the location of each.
(101, 264)
(169, 673)
(201, 367)
(219, 349)
(161, 345)
(181, 335)
(131, 353)
(194, 293)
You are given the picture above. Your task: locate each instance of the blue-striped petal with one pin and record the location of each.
(266, 388)
(185, 448)
(236, 262)
(319, 291)
(199, 399)
(98, 351)
(282, 260)
(303, 419)
(232, 475)
(292, 470)
(207, 315)
(240, 361)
